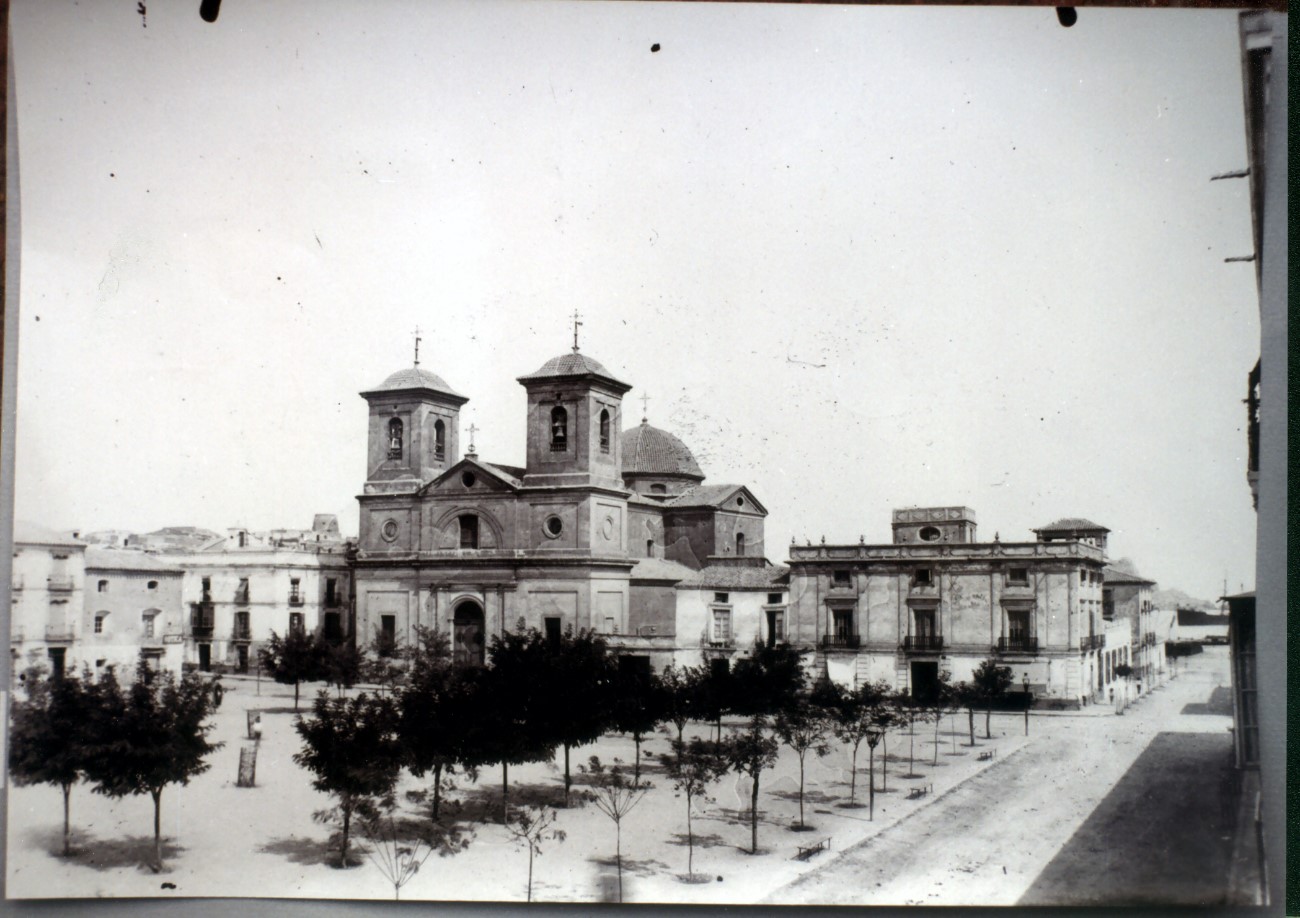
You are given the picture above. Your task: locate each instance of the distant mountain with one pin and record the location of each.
(1177, 599)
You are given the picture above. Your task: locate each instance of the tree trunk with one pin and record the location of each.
(157, 829)
(505, 813)
(988, 716)
(853, 773)
(347, 827)
(753, 817)
(67, 844)
(530, 872)
(690, 839)
(618, 856)
(295, 694)
(680, 725)
(801, 791)
(884, 763)
(937, 717)
(970, 713)
(871, 776)
(567, 780)
(636, 762)
(437, 789)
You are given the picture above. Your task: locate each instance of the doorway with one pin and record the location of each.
(467, 634)
(205, 657)
(925, 679)
(242, 651)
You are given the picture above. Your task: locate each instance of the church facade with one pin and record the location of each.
(594, 531)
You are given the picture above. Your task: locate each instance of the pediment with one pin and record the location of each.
(486, 479)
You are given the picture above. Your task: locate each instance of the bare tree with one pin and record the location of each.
(693, 767)
(615, 797)
(531, 826)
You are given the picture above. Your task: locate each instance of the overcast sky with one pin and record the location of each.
(860, 258)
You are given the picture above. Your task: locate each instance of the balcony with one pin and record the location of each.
(1017, 645)
(295, 599)
(16, 583)
(62, 584)
(923, 643)
(840, 641)
(241, 594)
(721, 643)
(244, 633)
(1092, 642)
(333, 602)
(58, 632)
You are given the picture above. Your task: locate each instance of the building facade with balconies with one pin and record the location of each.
(133, 607)
(935, 599)
(47, 589)
(1128, 597)
(238, 590)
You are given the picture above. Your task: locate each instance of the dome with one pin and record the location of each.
(572, 364)
(413, 378)
(650, 451)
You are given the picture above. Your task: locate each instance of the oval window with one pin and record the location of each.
(740, 501)
(468, 479)
(929, 534)
(389, 530)
(554, 526)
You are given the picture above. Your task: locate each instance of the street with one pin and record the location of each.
(1095, 810)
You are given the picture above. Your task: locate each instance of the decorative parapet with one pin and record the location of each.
(982, 551)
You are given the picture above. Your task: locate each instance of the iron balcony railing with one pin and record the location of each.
(920, 643)
(721, 642)
(58, 632)
(241, 594)
(242, 633)
(849, 641)
(1092, 641)
(295, 599)
(61, 584)
(1018, 645)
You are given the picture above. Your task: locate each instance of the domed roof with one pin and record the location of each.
(414, 378)
(650, 451)
(573, 364)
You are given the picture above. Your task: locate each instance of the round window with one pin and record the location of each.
(389, 530)
(468, 479)
(554, 526)
(929, 534)
(740, 501)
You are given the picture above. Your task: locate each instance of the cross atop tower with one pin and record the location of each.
(576, 323)
(645, 407)
(472, 430)
(418, 339)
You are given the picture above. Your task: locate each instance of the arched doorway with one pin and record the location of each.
(468, 639)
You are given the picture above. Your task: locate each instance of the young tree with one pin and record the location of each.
(384, 662)
(992, 682)
(531, 827)
(615, 797)
(577, 676)
(151, 734)
(292, 659)
(351, 747)
(437, 708)
(680, 686)
(803, 727)
(908, 712)
(51, 736)
(769, 680)
(967, 695)
(400, 851)
(858, 716)
(751, 753)
(340, 664)
(637, 708)
(937, 704)
(693, 768)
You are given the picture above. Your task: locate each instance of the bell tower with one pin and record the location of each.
(414, 430)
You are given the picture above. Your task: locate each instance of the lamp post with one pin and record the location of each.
(873, 737)
(1028, 700)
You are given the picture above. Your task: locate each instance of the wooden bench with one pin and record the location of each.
(986, 755)
(919, 791)
(808, 851)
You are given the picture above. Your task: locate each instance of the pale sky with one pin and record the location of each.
(860, 258)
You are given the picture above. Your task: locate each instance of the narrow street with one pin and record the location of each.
(1095, 810)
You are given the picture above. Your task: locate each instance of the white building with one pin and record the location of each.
(47, 607)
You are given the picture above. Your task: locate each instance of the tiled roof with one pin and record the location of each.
(34, 534)
(650, 451)
(1071, 523)
(660, 569)
(414, 378)
(730, 577)
(507, 473)
(120, 559)
(710, 496)
(1114, 575)
(572, 364)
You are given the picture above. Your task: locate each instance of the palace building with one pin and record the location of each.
(594, 531)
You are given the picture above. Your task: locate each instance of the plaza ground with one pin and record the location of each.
(1090, 808)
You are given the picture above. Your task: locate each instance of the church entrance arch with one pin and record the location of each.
(468, 639)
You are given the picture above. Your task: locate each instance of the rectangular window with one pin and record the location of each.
(469, 531)
(207, 588)
(295, 623)
(295, 593)
(99, 624)
(241, 591)
(721, 597)
(778, 626)
(842, 623)
(1018, 626)
(242, 628)
(721, 626)
(103, 586)
(1018, 576)
(388, 628)
(148, 623)
(1107, 605)
(842, 578)
(775, 599)
(924, 575)
(610, 626)
(552, 624)
(331, 591)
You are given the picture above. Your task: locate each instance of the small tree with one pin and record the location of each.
(967, 695)
(384, 662)
(858, 716)
(51, 736)
(751, 753)
(340, 665)
(150, 735)
(693, 768)
(531, 827)
(577, 675)
(937, 704)
(398, 850)
(685, 692)
(351, 747)
(803, 727)
(766, 682)
(437, 708)
(637, 708)
(292, 659)
(908, 712)
(615, 797)
(991, 681)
